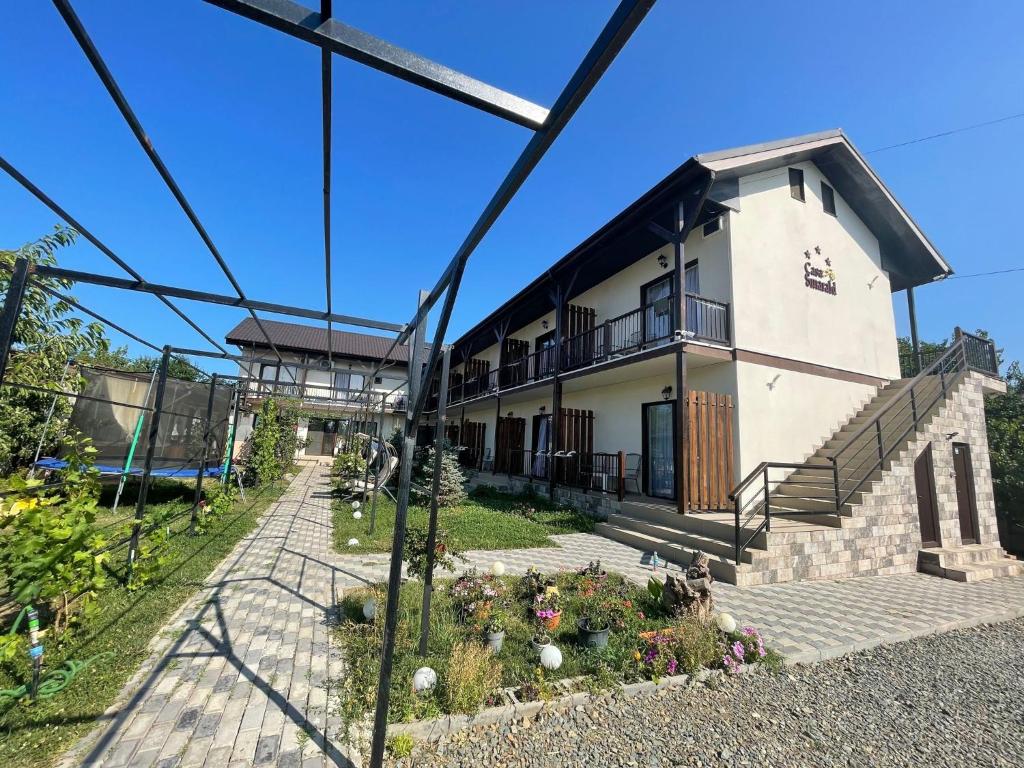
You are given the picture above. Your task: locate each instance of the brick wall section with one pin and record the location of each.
(882, 535)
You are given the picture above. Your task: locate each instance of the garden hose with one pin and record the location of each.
(54, 681)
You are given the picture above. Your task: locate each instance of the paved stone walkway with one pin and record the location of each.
(248, 665)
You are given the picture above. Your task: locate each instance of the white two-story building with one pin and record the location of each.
(716, 368)
(335, 382)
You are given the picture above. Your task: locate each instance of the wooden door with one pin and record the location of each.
(927, 505)
(967, 508)
(509, 441)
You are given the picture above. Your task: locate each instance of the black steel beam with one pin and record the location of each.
(107, 78)
(46, 200)
(250, 361)
(325, 88)
(613, 37)
(210, 298)
(13, 298)
(330, 34)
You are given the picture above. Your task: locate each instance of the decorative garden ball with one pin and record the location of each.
(725, 622)
(357, 515)
(356, 505)
(370, 608)
(498, 568)
(551, 658)
(424, 679)
(353, 542)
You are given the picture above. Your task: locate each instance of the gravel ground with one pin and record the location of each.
(946, 700)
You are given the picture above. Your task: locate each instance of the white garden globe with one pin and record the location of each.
(357, 515)
(498, 568)
(424, 679)
(551, 658)
(370, 608)
(353, 542)
(726, 623)
(356, 505)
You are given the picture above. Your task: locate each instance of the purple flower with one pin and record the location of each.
(672, 664)
(737, 650)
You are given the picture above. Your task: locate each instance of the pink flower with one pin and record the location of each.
(737, 650)
(672, 664)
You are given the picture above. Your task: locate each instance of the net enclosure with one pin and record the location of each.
(112, 412)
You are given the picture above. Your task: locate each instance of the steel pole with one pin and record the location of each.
(416, 383)
(154, 431)
(11, 310)
(206, 451)
(914, 341)
(435, 488)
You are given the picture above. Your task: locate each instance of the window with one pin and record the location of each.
(713, 226)
(378, 379)
(828, 199)
(348, 380)
(796, 184)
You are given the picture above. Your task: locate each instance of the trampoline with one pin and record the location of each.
(107, 469)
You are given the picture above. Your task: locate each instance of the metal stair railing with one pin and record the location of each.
(852, 464)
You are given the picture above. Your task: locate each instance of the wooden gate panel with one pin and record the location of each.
(473, 442)
(709, 468)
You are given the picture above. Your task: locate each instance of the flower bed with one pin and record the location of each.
(537, 657)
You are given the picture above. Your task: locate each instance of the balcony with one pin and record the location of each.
(322, 394)
(643, 328)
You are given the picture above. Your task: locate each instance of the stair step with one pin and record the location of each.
(721, 569)
(946, 557)
(686, 538)
(972, 572)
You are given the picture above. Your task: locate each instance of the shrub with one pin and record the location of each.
(472, 674)
(49, 553)
(349, 465)
(263, 461)
(415, 551)
(452, 489)
(401, 745)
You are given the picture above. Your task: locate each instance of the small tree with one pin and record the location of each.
(46, 336)
(452, 489)
(265, 435)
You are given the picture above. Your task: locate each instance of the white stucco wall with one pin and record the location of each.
(785, 416)
(774, 312)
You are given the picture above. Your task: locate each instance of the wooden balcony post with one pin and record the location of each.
(682, 422)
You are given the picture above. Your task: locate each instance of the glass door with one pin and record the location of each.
(659, 431)
(657, 304)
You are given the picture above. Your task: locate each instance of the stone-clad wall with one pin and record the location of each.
(882, 534)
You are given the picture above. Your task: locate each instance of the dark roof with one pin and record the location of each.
(304, 338)
(908, 255)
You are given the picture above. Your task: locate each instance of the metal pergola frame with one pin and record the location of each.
(321, 29)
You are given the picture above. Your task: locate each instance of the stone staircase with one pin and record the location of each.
(809, 538)
(971, 562)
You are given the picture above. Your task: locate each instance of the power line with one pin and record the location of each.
(986, 274)
(948, 133)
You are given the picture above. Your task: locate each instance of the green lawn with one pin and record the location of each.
(494, 521)
(125, 623)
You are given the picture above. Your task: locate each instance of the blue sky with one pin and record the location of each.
(234, 108)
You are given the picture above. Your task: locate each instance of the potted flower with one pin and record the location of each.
(495, 631)
(473, 595)
(547, 607)
(595, 624)
(540, 639)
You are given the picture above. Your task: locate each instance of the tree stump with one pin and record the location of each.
(690, 595)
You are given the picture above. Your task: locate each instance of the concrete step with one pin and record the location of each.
(721, 568)
(945, 557)
(685, 538)
(981, 571)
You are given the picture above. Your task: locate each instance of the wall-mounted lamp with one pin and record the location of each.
(543, 408)
(666, 393)
(951, 435)
(510, 414)
(544, 324)
(662, 261)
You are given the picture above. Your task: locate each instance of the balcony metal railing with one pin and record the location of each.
(642, 328)
(597, 471)
(321, 394)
